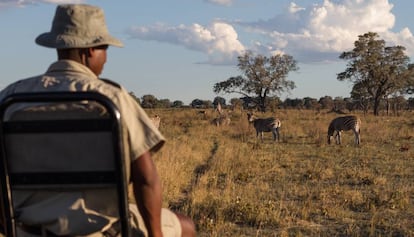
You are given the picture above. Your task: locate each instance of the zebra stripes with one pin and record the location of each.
(221, 120)
(344, 123)
(262, 125)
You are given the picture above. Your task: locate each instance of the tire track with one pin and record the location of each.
(199, 171)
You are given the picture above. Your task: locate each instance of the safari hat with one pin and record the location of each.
(77, 26)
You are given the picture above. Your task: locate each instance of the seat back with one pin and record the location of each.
(61, 142)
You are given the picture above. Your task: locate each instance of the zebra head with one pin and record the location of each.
(331, 131)
(250, 117)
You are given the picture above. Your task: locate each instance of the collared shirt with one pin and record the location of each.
(67, 75)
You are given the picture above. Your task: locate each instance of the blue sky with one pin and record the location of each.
(179, 49)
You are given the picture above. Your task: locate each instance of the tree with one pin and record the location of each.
(339, 104)
(197, 103)
(263, 77)
(377, 71)
(218, 100)
(177, 104)
(326, 102)
(163, 103)
(294, 103)
(149, 101)
(201, 104)
(236, 103)
(311, 103)
(361, 97)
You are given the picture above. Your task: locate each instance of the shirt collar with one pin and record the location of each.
(70, 65)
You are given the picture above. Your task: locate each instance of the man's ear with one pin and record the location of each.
(89, 52)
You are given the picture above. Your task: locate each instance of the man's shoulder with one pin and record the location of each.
(110, 82)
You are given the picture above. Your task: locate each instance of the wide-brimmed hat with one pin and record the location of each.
(77, 26)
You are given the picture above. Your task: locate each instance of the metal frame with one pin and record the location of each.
(112, 124)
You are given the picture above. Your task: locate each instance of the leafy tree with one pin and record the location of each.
(377, 71)
(339, 104)
(310, 103)
(263, 77)
(149, 101)
(163, 103)
(409, 88)
(349, 104)
(361, 97)
(197, 103)
(208, 104)
(294, 103)
(218, 100)
(273, 103)
(177, 104)
(410, 103)
(326, 102)
(236, 102)
(397, 104)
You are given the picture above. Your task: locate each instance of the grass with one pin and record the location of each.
(231, 184)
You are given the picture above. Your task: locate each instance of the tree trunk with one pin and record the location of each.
(262, 104)
(377, 101)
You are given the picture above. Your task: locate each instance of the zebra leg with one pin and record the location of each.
(276, 134)
(338, 137)
(357, 137)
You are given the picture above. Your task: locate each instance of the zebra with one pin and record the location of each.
(344, 123)
(221, 120)
(262, 125)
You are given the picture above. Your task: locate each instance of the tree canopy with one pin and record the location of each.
(262, 77)
(376, 70)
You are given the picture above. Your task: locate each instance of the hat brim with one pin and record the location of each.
(51, 40)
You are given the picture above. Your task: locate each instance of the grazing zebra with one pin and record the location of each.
(344, 123)
(221, 120)
(262, 125)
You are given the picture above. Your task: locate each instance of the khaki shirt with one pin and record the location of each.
(67, 214)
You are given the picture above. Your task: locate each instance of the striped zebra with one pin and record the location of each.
(344, 123)
(263, 125)
(221, 120)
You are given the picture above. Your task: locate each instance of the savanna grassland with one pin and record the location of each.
(232, 184)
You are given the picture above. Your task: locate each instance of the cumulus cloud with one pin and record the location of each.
(219, 40)
(324, 30)
(312, 33)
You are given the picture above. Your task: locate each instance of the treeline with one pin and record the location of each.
(336, 104)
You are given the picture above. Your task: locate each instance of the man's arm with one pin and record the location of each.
(147, 191)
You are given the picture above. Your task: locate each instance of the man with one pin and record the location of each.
(80, 35)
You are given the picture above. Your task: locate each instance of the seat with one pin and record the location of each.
(62, 143)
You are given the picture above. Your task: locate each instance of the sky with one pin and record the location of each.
(179, 49)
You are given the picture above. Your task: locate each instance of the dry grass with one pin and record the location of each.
(233, 185)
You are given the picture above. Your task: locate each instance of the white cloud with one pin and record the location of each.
(404, 38)
(326, 29)
(313, 33)
(219, 40)
(293, 8)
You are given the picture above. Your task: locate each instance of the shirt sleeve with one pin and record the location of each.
(143, 136)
